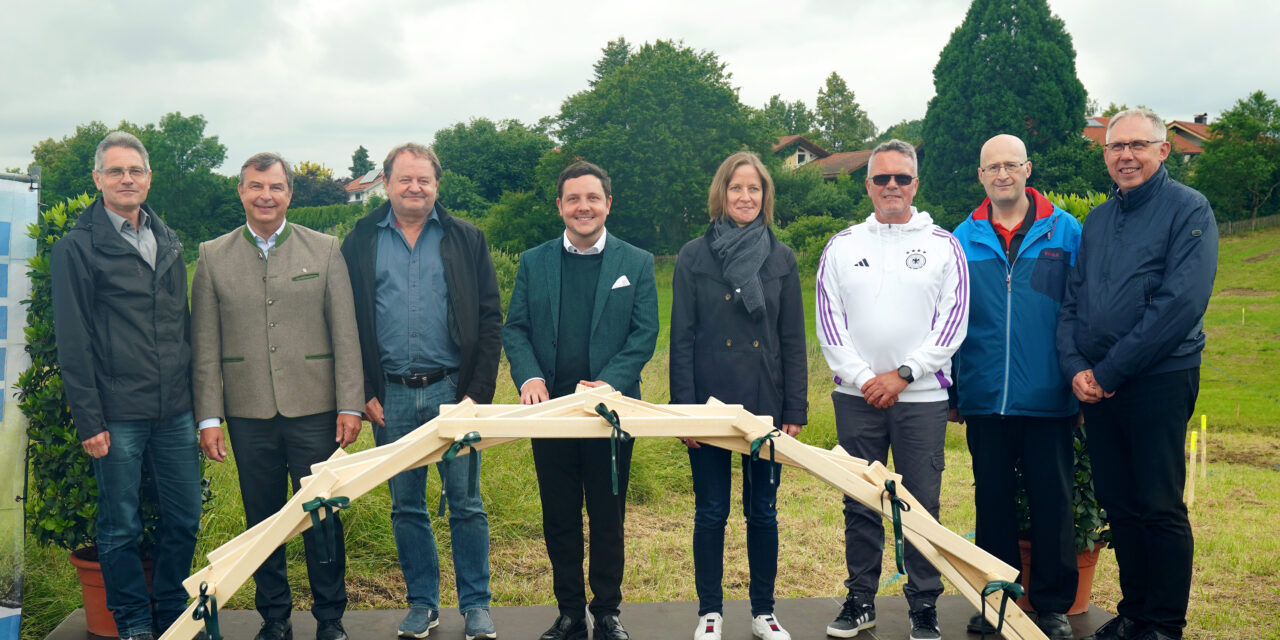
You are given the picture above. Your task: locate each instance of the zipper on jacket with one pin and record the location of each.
(1008, 329)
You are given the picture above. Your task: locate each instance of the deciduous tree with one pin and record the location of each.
(660, 124)
(1239, 170)
(495, 157)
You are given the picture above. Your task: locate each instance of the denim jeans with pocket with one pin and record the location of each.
(407, 409)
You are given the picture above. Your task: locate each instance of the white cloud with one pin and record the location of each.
(315, 79)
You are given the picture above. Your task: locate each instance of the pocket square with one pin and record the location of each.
(621, 282)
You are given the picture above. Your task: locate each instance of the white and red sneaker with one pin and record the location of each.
(766, 627)
(708, 627)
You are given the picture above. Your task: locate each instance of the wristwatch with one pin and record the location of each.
(904, 372)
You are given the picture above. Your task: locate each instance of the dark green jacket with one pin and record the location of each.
(624, 320)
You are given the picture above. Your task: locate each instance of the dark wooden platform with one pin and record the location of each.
(805, 619)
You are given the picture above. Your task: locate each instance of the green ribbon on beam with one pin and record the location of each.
(618, 434)
(473, 471)
(325, 530)
(1012, 590)
(207, 610)
(898, 506)
(756, 446)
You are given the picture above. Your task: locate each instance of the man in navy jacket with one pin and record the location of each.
(1018, 406)
(1129, 338)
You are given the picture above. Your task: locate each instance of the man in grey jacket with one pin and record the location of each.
(123, 331)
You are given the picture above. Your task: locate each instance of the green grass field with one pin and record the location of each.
(1235, 592)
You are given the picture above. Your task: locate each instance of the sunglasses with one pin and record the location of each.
(883, 179)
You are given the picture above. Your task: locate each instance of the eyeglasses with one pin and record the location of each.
(1138, 146)
(1010, 167)
(116, 173)
(901, 178)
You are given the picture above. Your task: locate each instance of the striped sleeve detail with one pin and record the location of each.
(957, 313)
(826, 317)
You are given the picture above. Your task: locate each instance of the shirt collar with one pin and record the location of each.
(117, 220)
(598, 247)
(271, 239)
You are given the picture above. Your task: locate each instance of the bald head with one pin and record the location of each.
(1003, 170)
(1003, 145)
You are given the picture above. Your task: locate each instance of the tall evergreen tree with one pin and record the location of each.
(1010, 67)
(360, 163)
(845, 126)
(615, 55)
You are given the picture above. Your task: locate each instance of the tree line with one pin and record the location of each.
(661, 116)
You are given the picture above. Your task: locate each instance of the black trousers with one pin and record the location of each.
(270, 455)
(569, 469)
(1045, 448)
(1136, 442)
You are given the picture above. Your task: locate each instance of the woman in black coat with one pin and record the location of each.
(737, 334)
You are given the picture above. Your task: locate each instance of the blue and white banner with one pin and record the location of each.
(18, 209)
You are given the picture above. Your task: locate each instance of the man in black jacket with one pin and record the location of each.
(124, 345)
(1130, 334)
(430, 326)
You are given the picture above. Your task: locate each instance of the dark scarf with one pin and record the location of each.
(742, 251)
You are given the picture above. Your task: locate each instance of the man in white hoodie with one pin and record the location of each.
(893, 307)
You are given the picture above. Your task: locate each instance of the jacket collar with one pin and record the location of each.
(1142, 193)
(1044, 208)
(285, 231)
(106, 239)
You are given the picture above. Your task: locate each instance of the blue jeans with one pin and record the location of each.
(712, 480)
(168, 448)
(407, 409)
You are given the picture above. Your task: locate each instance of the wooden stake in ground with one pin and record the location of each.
(1191, 477)
(1204, 446)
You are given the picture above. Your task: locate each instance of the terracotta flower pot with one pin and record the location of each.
(1086, 563)
(98, 619)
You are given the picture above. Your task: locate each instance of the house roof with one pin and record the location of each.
(1095, 129)
(365, 182)
(786, 141)
(843, 162)
(1188, 137)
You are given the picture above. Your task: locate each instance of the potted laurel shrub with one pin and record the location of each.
(62, 496)
(1091, 531)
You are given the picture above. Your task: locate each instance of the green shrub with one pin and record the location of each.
(325, 218)
(505, 265)
(808, 236)
(1078, 206)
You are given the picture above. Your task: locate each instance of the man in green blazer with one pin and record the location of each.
(584, 311)
(277, 355)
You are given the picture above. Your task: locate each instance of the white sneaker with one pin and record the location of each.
(708, 627)
(766, 627)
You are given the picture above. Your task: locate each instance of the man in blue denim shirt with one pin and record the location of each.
(429, 321)
(124, 345)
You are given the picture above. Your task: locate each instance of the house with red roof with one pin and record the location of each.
(370, 184)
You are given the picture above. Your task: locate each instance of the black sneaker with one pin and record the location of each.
(924, 622)
(857, 613)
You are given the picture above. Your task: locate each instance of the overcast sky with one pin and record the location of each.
(314, 79)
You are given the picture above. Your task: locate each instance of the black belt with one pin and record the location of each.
(420, 381)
